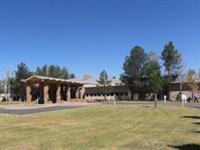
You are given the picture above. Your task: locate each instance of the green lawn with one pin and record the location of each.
(102, 128)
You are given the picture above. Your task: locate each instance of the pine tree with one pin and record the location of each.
(153, 76)
(172, 61)
(133, 75)
(104, 83)
(22, 72)
(54, 71)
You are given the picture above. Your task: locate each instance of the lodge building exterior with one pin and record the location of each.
(174, 90)
(51, 90)
(54, 90)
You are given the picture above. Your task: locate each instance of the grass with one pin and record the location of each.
(102, 128)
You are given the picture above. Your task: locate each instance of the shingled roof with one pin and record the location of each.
(51, 79)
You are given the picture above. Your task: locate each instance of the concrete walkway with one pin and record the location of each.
(42, 108)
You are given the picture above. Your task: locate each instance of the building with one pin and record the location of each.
(54, 90)
(51, 90)
(92, 89)
(175, 90)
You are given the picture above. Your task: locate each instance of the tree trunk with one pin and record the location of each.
(104, 86)
(105, 97)
(155, 101)
(192, 95)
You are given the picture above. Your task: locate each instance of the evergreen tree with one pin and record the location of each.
(22, 72)
(172, 61)
(105, 83)
(153, 76)
(43, 71)
(54, 71)
(133, 75)
(72, 76)
(64, 73)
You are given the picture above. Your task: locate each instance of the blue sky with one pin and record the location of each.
(91, 35)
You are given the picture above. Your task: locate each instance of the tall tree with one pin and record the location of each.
(172, 61)
(104, 82)
(133, 75)
(43, 71)
(192, 78)
(153, 76)
(54, 71)
(72, 76)
(1, 86)
(64, 73)
(22, 72)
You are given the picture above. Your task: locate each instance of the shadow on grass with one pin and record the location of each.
(187, 147)
(192, 117)
(197, 123)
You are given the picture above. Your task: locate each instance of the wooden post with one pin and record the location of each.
(46, 93)
(58, 95)
(82, 92)
(28, 94)
(69, 94)
(77, 93)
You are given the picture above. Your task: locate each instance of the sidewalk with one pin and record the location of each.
(43, 108)
(35, 106)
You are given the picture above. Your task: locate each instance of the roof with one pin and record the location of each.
(50, 79)
(184, 81)
(114, 81)
(93, 81)
(112, 89)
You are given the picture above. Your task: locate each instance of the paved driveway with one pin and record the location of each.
(37, 110)
(23, 111)
(193, 105)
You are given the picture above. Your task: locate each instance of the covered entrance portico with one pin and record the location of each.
(51, 90)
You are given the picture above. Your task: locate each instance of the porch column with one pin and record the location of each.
(58, 95)
(78, 93)
(28, 94)
(46, 93)
(82, 92)
(69, 93)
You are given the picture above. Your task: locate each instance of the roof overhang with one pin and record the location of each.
(36, 78)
